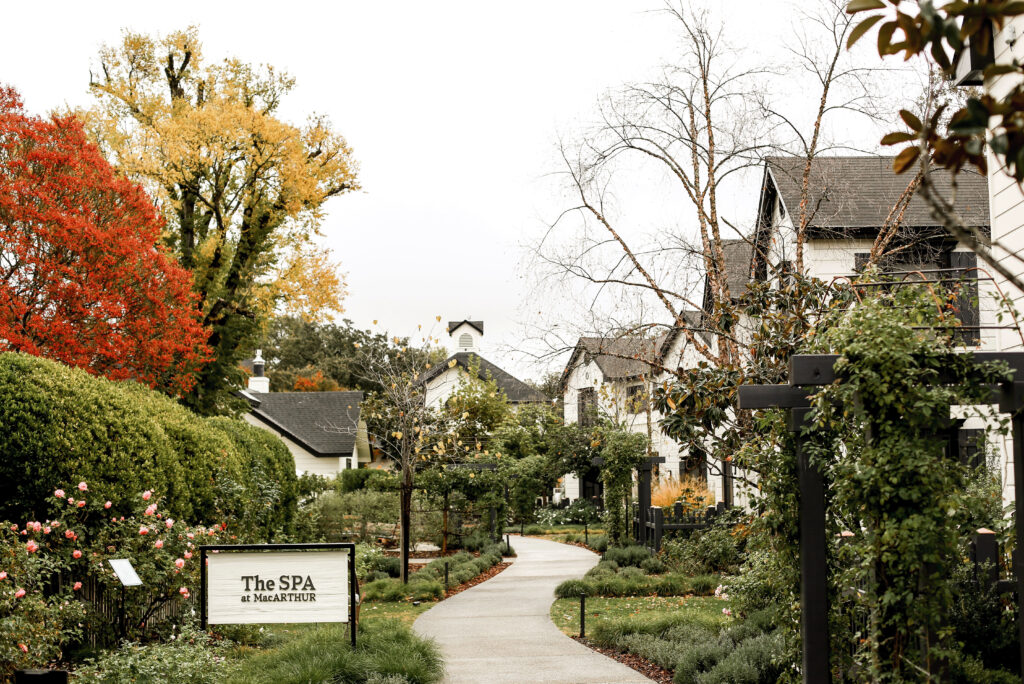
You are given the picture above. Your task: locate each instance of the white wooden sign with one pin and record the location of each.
(277, 586)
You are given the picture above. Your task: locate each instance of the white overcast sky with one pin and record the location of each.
(453, 110)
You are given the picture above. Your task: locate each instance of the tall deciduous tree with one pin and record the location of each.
(82, 278)
(243, 191)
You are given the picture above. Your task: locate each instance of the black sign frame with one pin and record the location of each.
(353, 583)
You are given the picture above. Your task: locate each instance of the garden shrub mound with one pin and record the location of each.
(699, 650)
(632, 571)
(427, 583)
(63, 425)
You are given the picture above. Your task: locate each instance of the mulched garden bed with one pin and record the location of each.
(482, 577)
(641, 665)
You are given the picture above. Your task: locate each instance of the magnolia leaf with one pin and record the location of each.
(897, 138)
(855, 6)
(904, 159)
(862, 28)
(911, 120)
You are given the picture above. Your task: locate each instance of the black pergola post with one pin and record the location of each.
(814, 632)
(813, 558)
(1012, 402)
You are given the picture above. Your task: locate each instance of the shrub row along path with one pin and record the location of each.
(501, 630)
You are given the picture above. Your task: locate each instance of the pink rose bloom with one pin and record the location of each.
(151, 509)
(188, 554)
(170, 523)
(3, 575)
(143, 530)
(59, 493)
(147, 494)
(82, 487)
(31, 546)
(159, 543)
(81, 504)
(56, 523)
(19, 593)
(46, 530)
(23, 647)
(76, 554)
(189, 535)
(77, 586)
(107, 505)
(183, 591)
(726, 611)
(179, 563)
(14, 528)
(67, 533)
(71, 499)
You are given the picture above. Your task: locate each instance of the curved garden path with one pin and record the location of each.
(501, 630)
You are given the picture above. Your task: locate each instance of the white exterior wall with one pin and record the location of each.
(305, 462)
(443, 386)
(1006, 205)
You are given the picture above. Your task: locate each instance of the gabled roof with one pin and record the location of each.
(479, 325)
(322, 423)
(629, 356)
(859, 192)
(517, 391)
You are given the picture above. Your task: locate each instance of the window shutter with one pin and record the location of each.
(966, 304)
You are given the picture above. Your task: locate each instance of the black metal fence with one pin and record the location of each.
(659, 521)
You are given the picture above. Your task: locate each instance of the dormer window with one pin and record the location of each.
(465, 341)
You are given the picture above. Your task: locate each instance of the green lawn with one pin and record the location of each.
(565, 613)
(403, 611)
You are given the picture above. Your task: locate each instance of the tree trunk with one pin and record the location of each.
(406, 516)
(444, 532)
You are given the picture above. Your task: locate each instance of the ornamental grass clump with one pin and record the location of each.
(384, 650)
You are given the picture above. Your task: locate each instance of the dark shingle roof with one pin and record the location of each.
(323, 423)
(858, 192)
(479, 325)
(620, 358)
(517, 391)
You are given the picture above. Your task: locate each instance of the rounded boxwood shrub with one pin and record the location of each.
(62, 425)
(627, 555)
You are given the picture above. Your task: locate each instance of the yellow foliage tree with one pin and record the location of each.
(242, 190)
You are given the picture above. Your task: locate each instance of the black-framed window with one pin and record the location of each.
(956, 270)
(636, 399)
(972, 447)
(586, 406)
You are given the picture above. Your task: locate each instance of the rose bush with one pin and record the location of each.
(55, 574)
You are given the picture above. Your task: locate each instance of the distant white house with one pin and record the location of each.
(322, 430)
(850, 199)
(445, 378)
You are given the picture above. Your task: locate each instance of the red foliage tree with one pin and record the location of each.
(82, 277)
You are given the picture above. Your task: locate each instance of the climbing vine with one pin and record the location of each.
(894, 493)
(622, 452)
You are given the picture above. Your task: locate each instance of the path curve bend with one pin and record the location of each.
(500, 631)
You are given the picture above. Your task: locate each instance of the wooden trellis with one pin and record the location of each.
(812, 371)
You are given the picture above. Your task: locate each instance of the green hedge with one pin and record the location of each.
(62, 425)
(645, 585)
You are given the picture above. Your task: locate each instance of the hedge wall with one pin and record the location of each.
(60, 425)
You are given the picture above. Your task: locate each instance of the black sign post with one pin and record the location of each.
(353, 580)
